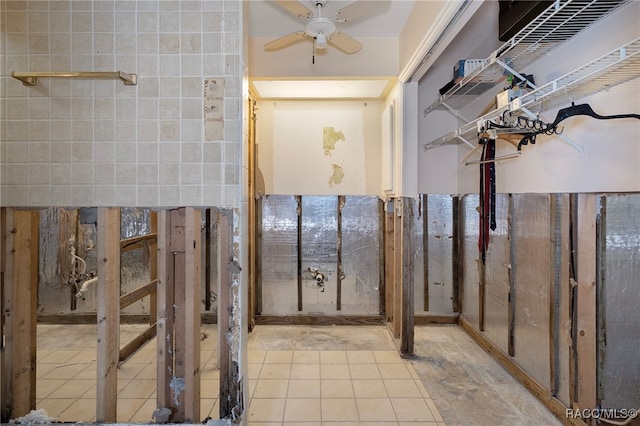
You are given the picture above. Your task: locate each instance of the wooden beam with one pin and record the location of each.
(586, 302)
(425, 251)
(258, 257)
(456, 259)
(108, 313)
(137, 294)
(137, 242)
(407, 295)
(339, 274)
(152, 248)
(388, 260)
(20, 254)
(137, 342)
(319, 320)
(381, 250)
(511, 307)
(299, 262)
(3, 256)
(397, 268)
(165, 319)
(227, 393)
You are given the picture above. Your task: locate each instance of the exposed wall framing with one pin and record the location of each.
(20, 240)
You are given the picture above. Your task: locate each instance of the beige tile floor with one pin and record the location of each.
(337, 388)
(66, 375)
(287, 387)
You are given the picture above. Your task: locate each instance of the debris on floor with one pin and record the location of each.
(35, 417)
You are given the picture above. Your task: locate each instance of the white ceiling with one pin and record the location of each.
(267, 21)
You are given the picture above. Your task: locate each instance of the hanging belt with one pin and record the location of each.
(487, 194)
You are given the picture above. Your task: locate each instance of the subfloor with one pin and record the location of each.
(305, 376)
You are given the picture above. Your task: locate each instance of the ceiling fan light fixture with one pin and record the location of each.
(321, 41)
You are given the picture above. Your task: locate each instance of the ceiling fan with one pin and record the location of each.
(322, 30)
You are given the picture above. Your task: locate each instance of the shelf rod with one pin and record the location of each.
(31, 78)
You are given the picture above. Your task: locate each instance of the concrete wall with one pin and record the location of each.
(101, 143)
(612, 153)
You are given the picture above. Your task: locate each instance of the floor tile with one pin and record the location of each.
(364, 371)
(275, 371)
(387, 357)
(60, 356)
(71, 389)
(138, 389)
(305, 371)
(360, 357)
(266, 410)
(394, 371)
(54, 407)
(278, 357)
(339, 410)
(336, 389)
(256, 357)
(209, 389)
(303, 409)
(45, 387)
(84, 411)
(333, 357)
(412, 410)
(306, 357)
(127, 408)
(304, 389)
(334, 371)
(65, 371)
(434, 410)
(145, 412)
(206, 406)
(272, 388)
(254, 370)
(375, 409)
(402, 388)
(369, 389)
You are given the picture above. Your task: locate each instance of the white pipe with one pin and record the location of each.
(85, 286)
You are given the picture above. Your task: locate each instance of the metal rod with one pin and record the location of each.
(31, 78)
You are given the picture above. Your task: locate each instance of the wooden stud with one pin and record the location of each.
(3, 256)
(407, 295)
(227, 393)
(586, 301)
(456, 260)
(191, 307)
(299, 211)
(21, 236)
(381, 263)
(341, 201)
(425, 251)
(258, 257)
(555, 291)
(152, 248)
(165, 311)
(601, 302)
(108, 296)
(511, 307)
(207, 260)
(397, 268)
(389, 260)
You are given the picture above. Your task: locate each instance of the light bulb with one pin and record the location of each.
(321, 41)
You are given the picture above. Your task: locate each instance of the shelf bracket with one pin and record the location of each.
(31, 78)
(466, 141)
(516, 73)
(454, 112)
(561, 136)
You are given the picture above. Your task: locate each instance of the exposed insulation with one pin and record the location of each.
(470, 257)
(440, 243)
(622, 303)
(532, 289)
(497, 277)
(361, 256)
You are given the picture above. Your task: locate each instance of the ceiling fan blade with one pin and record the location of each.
(285, 41)
(357, 9)
(296, 8)
(345, 42)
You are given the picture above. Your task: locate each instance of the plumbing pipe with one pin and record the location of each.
(85, 287)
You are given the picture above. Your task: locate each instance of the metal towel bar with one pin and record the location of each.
(31, 78)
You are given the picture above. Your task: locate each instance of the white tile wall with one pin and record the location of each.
(99, 142)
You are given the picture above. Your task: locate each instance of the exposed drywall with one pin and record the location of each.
(319, 147)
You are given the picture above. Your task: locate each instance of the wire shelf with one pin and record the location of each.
(612, 69)
(556, 25)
